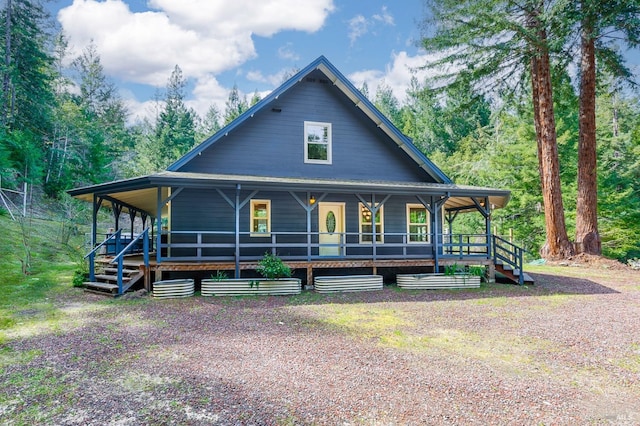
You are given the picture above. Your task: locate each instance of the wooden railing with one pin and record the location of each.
(119, 258)
(509, 253)
(115, 237)
(221, 246)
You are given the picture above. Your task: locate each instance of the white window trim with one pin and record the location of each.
(428, 224)
(252, 217)
(329, 143)
(360, 223)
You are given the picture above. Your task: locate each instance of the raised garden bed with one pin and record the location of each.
(331, 284)
(247, 286)
(173, 288)
(437, 281)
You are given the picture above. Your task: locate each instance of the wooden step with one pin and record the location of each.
(106, 277)
(107, 288)
(124, 271)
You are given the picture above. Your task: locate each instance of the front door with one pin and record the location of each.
(331, 226)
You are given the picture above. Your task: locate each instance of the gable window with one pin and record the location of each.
(260, 218)
(366, 224)
(418, 223)
(317, 142)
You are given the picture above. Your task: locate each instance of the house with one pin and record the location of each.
(313, 172)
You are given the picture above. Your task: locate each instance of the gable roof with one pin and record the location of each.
(349, 90)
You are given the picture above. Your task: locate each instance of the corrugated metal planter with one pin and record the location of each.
(436, 281)
(348, 283)
(173, 288)
(247, 286)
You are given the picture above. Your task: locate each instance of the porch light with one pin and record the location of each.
(312, 200)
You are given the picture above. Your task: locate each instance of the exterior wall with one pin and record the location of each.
(206, 210)
(272, 143)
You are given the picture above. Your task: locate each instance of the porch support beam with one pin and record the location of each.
(159, 206)
(437, 246)
(174, 194)
(308, 207)
(237, 231)
(373, 207)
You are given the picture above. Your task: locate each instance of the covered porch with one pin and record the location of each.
(163, 200)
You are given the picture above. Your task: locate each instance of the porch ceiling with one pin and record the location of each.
(142, 193)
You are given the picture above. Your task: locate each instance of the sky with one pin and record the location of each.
(249, 43)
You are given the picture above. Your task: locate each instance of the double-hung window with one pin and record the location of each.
(260, 218)
(317, 142)
(367, 222)
(418, 220)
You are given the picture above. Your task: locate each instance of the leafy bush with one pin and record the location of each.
(272, 267)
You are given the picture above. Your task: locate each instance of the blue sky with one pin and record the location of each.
(249, 43)
(253, 44)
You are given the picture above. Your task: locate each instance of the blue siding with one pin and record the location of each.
(206, 210)
(272, 143)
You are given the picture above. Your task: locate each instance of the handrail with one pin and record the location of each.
(515, 258)
(112, 236)
(120, 256)
(92, 254)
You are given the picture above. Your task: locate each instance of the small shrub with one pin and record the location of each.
(219, 276)
(79, 278)
(272, 267)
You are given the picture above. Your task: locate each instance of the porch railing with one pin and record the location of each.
(119, 258)
(111, 239)
(221, 246)
(509, 253)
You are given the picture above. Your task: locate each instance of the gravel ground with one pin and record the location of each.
(564, 352)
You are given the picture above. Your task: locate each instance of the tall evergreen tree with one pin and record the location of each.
(176, 124)
(27, 73)
(495, 44)
(234, 106)
(597, 20)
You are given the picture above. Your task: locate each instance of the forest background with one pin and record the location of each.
(66, 126)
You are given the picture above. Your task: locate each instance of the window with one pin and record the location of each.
(366, 225)
(418, 223)
(260, 218)
(317, 142)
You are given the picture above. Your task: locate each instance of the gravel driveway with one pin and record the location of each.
(564, 352)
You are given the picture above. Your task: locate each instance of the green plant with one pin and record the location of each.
(219, 276)
(451, 270)
(79, 278)
(272, 267)
(477, 271)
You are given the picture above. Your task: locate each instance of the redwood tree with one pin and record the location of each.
(495, 44)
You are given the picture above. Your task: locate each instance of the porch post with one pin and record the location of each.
(488, 226)
(308, 209)
(237, 249)
(437, 206)
(159, 226)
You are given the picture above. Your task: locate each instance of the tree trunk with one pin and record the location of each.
(6, 78)
(587, 236)
(557, 245)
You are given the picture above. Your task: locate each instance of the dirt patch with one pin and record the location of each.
(564, 352)
(591, 261)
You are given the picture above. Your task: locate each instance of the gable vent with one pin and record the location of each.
(311, 80)
(324, 81)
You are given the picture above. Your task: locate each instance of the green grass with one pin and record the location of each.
(28, 301)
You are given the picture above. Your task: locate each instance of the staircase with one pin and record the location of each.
(113, 275)
(106, 277)
(508, 260)
(513, 274)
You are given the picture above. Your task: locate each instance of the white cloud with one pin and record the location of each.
(201, 36)
(384, 17)
(287, 52)
(396, 75)
(360, 25)
(273, 79)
